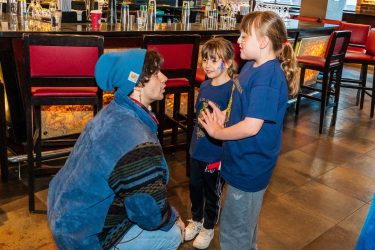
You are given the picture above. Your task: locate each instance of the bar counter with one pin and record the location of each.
(11, 52)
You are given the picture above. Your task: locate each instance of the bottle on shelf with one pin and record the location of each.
(112, 12)
(151, 13)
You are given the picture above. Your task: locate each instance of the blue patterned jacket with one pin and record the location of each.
(115, 177)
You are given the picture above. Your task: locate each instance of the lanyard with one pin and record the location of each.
(153, 117)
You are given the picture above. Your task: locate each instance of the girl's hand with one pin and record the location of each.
(220, 115)
(212, 122)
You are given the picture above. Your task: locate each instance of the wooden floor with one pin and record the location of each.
(318, 197)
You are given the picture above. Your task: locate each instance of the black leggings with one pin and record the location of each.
(205, 193)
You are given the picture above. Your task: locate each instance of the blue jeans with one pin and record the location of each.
(137, 238)
(239, 219)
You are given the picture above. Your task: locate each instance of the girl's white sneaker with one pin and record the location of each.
(204, 238)
(192, 229)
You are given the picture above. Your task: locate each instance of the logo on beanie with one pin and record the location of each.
(133, 77)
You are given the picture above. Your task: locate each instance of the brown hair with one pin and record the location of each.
(221, 48)
(152, 64)
(267, 23)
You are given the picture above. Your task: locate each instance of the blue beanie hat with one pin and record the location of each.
(120, 69)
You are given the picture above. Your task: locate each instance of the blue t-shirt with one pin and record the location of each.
(203, 147)
(261, 93)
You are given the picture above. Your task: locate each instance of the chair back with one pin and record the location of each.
(180, 53)
(370, 42)
(336, 48)
(53, 60)
(359, 32)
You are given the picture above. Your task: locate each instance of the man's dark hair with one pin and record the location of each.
(152, 65)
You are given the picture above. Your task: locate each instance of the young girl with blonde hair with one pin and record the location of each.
(252, 125)
(205, 152)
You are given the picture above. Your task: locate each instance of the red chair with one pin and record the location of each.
(364, 59)
(59, 71)
(180, 53)
(358, 37)
(308, 19)
(331, 63)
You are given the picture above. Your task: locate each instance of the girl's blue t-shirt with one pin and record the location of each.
(261, 93)
(202, 146)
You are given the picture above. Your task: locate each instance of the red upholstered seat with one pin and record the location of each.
(352, 57)
(79, 92)
(356, 49)
(331, 63)
(316, 61)
(177, 82)
(59, 71)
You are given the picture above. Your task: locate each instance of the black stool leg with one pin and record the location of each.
(3, 140)
(360, 89)
(161, 119)
(323, 100)
(337, 95)
(301, 80)
(30, 158)
(363, 84)
(38, 132)
(176, 115)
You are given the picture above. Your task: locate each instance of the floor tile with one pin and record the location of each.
(323, 201)
(350, 182)
(326, 150)
(304, 163)
(363, 165)
(294, 226)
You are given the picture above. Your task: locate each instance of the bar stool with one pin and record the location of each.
(59, 71)
(331, 63)
(364, 59)
(180, 53)
(356, 44)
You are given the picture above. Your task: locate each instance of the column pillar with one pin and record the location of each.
(329, 9)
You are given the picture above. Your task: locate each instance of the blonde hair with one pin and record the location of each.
(221, 48)
(267, 23)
